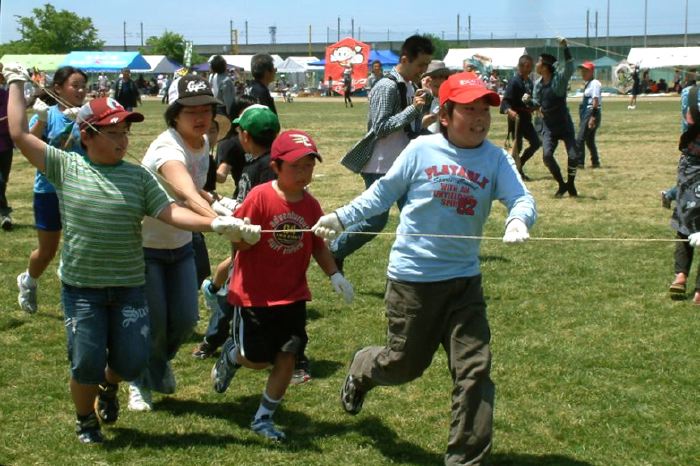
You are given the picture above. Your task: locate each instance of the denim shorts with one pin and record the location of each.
(47, 215)
(106, 327)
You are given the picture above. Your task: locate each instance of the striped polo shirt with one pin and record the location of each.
(102, 207)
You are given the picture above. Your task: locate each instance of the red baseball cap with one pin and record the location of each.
(465, 88)
(292, 145)
(105, 111)
(587, 65)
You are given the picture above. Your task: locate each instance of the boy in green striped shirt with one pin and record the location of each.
(103, 201)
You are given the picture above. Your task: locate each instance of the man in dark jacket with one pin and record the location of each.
(519, 114)
(126, 92)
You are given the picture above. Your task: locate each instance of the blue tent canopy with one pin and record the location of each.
(105, 61)
(387, 57)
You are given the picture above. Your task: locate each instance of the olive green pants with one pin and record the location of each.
(422, 316)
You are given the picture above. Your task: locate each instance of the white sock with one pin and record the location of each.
(267, 406)
(27, 280)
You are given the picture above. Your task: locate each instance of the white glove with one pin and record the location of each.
(15, 72)
(694, 240)
(526, 98)
(516, 232)
(250, 233)
(342, 286)
(328, 226)
(220, 209)
(229, 227)
(41, 110)
(229, 203)
(562, 41)
(72, 112)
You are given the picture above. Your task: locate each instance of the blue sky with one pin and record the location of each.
(207, 21)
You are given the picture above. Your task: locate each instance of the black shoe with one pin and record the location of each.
(107, 403)
(88, 429)
(351, 397)
(571, 189)
(525, 177)
(595, 165)
(563, 189)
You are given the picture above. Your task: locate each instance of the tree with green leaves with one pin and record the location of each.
(48, 30)
(170, 44)
(440, 46)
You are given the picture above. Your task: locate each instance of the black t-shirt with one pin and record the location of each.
(230, 152)
(256, 171)
(262, 95)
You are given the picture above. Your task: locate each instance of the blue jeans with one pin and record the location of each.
(347, 243)
(105, 327)
(171, 292)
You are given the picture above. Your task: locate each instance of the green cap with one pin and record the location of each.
(258, 120)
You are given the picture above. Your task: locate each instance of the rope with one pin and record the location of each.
(495, 238)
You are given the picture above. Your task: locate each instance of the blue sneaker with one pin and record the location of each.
(209, 296)
(223, 371)
(264, 427)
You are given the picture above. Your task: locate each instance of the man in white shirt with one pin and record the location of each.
(589, 113)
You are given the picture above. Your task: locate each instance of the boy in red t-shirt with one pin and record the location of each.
(269, 278)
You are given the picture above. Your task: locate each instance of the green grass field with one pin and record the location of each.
(593, 363)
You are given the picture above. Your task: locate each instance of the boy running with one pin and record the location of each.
(103, 201)
(434, 294)
(269, 279)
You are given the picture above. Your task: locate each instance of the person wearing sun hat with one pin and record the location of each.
(269, 285)
(103, 200)
(589, 112)
(176, 258)
(431, 80)
(434, 289)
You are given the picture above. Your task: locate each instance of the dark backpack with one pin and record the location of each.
(693, 130)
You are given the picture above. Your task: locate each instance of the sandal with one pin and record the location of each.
(677, 290)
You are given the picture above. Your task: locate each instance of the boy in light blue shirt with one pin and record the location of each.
(434, 293)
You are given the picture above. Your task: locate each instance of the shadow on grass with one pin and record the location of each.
(375, 294)
(488, 258)
(516, 459)
(303, 432)
(132, 438)
(323, 368)
(12, 324)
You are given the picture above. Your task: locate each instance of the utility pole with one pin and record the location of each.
(588, 22)
(685, 36)
(387, 35)
(645, 23)
(141, 34)
(273, 34)
(359, 33)
(125, 36)
(328, 35)
(607, 28)
(309, 40)
(234, 49)
(352, 27)
(338, 28)
(230, 34)
(596, 33)
(457, 28)
(246, 32)
(469, 29)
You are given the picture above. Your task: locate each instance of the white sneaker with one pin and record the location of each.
(209, 297)
(139, 399)
(27, 295)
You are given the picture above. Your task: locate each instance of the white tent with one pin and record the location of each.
(664, 57)
(159, 64)
(243, 61)
(501, 58)
(297, 70)
(299, 64)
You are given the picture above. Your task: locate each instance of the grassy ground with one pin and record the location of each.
(594, 365)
